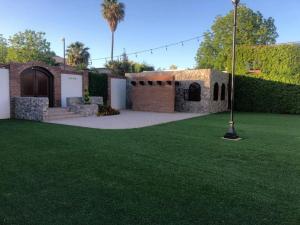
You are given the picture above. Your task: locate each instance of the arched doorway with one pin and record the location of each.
(37, 82)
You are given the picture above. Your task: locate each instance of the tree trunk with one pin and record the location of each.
(112, 45)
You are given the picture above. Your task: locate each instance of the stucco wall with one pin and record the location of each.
(4, 94)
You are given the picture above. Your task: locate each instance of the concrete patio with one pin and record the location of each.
(126, 120)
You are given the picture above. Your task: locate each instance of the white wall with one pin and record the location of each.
(118, 93)
(4, 94)
(71, 86)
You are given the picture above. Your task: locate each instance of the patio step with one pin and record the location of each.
(60, 113)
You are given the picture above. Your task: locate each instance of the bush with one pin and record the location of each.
(98, 85)
(107, 111)
(255, 94)
(283, 60)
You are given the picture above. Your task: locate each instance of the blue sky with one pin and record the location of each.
(148, 23)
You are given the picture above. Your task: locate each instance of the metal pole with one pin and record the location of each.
(231, 134)
(64, 49)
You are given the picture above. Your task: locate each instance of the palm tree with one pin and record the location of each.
(78, 54)
(114, 12)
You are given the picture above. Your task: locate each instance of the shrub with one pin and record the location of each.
(266, 95)
(98, 85)
(107, 111)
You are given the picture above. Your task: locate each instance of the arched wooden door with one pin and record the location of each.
(37, 82)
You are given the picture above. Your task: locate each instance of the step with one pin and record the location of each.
(55, 110)
(61, 117)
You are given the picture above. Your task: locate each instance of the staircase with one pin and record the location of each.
(60, 113)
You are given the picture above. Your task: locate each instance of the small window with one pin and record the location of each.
(142, 83)
(150, 82)
(133, 83)
(216, 92)
(159, 82)
(169, 82)
(195, 92)
(223, 92)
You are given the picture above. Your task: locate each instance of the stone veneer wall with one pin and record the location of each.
(76, 105)
(220, 78)
(31, 108)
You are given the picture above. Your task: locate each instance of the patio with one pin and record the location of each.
(126, 120)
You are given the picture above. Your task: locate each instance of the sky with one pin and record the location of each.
(148, 24)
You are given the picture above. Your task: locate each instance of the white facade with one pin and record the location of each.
(118, 93)
(4, 94)
(71, 86)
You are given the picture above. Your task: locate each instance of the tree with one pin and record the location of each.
(114, 12)
(3, 49)
(29, 46)
(253, 29)
(78, 55)
(173, 67)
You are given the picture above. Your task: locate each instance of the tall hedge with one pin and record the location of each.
(98, 85)
(280, 60)
(253, 94)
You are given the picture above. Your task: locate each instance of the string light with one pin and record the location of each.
(151, 50)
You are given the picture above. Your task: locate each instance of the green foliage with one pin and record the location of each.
(114, 12)
(280, 60)
(253, 29)
(262, 94)
(104, 110)
(29, 46)
(78, 55)
(3, 49)
(98, 85)
(86, 98)
(125, 66)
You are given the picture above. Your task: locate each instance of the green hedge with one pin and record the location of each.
(273, 59)
(254, 94)
(98, 85)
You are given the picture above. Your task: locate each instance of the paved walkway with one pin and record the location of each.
(126, 120)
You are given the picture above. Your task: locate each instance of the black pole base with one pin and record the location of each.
(231, 134)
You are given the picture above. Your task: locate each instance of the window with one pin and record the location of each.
(194, 92)
(216, 92)
(223, 92)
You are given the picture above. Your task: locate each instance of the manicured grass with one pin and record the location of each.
(180, 173)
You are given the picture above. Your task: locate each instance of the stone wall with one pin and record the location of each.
(76, 105)
(182, 104)
(219, 105)
(30, 108)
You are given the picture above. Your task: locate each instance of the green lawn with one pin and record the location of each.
(180, 173)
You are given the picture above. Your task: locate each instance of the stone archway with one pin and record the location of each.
(37, 82)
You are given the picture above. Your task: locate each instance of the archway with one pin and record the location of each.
(37, 82)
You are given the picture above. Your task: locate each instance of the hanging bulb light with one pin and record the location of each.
(182, 44)
(151, 51)
(166, 48)
(136, 55)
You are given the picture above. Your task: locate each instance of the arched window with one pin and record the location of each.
(216, 92)
(223, 92)
(195, 92)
